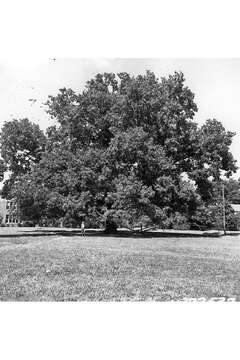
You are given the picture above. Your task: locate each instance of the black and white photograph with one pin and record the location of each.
(120, 180)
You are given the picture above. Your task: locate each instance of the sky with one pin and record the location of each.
(215, 83)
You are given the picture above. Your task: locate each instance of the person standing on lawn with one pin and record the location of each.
(83, 228)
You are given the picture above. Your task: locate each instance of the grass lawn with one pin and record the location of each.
(66, 268)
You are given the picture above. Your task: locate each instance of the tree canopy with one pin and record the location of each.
(126, 151)
(21, 144)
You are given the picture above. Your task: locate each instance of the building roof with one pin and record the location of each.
(236, 207)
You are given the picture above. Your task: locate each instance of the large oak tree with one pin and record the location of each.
(127, 151)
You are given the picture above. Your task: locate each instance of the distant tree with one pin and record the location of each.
(3, 169)
(212, 157)
(21, 144)
(232, 191)
(210, 215)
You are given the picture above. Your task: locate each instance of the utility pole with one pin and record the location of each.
(224, 210)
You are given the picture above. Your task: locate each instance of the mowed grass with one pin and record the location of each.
(72, 268)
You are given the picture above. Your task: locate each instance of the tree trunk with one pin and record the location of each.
(111, 227)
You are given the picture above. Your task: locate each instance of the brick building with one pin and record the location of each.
(8, 212)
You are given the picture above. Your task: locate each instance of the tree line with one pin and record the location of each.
(125, 151)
